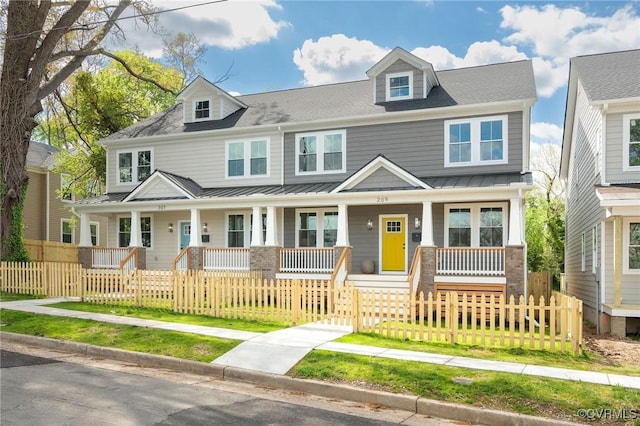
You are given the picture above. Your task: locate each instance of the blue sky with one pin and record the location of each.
(283, 44)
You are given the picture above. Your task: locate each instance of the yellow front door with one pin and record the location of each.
(393, 240)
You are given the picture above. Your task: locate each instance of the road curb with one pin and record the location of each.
(410, 403)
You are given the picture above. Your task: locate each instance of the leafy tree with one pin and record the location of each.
(101, 103)
(545, 214)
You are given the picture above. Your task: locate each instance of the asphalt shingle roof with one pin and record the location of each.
(40, 154)
(608, 76)
(465, 86)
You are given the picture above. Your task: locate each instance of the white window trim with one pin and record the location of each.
(247, 157)
(151, 246)
(626, 226)
(246, 230)
(475, 141)
(134, 157)
(97, 224)
(475, 221)
(388, 78)
(73, 231)
(319, 230)
(626, 141)
(320, 152)
(195, 102)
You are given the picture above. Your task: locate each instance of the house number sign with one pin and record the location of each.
(382, 199)
(162, 207)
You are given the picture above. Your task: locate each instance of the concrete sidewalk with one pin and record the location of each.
(276, 352)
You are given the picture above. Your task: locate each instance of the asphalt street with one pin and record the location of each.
(40, 387)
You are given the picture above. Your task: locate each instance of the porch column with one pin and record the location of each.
(194, 238)
(85, 230)
(515, 222)
(272, 239)
(427, 225)
(256, 227)
(617, 261)
(342, 239)
(136, 233)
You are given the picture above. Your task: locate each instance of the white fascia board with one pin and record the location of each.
(152, 181)
(374, 165)
(459, 111)
(622, 102)
(415, 196)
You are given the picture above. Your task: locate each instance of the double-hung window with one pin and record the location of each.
(631, 141)
(475, 141)
(66, 231)
(201, 109)
(317, 228)
(240, 228)
(631, 245)
(94, 229)
(124, 231)
(475, 225)
(134, 166)
(246, 158)
(399, 86)
(321, 152)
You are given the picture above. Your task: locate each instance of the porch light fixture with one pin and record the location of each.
(171, 227)
(205, 228)
(369, 224)
(416, 223)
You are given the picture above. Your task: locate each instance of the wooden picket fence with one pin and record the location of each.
(50, 279)
(473, 320)
(443, 317)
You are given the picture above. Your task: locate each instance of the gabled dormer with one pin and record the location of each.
(204, 101)
(400, 76)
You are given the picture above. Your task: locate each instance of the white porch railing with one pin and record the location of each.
(226, 259)
(485, 261)
(108, 258)
(310, 260)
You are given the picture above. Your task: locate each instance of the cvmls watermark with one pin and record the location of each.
(609, 413)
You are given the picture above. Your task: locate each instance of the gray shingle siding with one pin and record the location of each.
(583, 210)
(417, 146)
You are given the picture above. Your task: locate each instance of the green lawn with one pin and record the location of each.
(138, 339)
(170, 316)
(559, 399)
(10, 297)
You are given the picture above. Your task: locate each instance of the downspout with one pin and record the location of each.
(603, 151)
(603, 157)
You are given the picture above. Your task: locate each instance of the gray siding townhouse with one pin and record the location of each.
(285, 181)
(601, 166)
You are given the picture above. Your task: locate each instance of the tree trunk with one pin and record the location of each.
(18, 107)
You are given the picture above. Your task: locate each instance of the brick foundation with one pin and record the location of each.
(265, 259)
(195, 258)
(84, 257)
(515, 265)
(428, 269)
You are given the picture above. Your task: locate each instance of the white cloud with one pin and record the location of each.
(229, 25)
(556, 34)
(543, 133)
(336, 58)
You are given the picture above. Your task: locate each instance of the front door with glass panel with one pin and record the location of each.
(185, 234)
(393, 241)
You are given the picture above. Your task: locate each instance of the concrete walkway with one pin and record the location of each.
(276, 352)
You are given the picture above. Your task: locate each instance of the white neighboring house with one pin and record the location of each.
(601, 166)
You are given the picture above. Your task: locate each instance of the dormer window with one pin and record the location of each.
(400, 86)
(202, 109)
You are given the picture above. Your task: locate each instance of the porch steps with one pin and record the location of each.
(390, 283)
